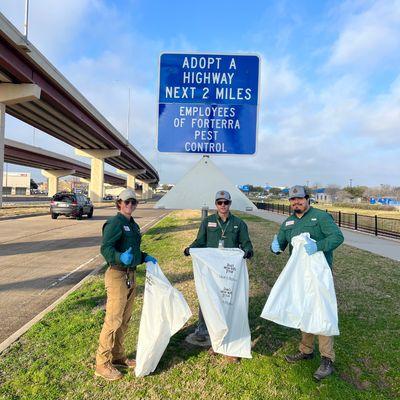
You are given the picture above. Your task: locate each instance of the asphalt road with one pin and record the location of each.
(41, 258)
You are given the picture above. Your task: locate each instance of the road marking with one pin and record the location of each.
(158, 219)
(38, 233)
(59, 280)
(67, 275)
(16, 335)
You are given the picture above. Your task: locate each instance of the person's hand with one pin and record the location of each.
(275, 245)
(126, 257)
(248, 254)
(310, 247)
(186, 252)
(150, 259)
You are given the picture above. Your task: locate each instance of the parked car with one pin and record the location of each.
(71, 205)
(108, 197)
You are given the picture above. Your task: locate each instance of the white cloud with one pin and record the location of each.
(278, 80)
(325, 132)
(54, 30)
(369, 38)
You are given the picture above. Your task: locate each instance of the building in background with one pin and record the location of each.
(16, 183)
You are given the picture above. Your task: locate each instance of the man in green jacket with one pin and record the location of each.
(327, 237)
(221, 229)
(121, 249)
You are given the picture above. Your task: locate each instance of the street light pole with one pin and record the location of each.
(129, 114)
(26, 23)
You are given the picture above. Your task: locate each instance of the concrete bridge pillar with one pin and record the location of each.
(53, 176)
(131, 176)
(96, 187)
(2, 129)
(12, 93)
(147, 191)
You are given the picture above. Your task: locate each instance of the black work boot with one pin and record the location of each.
(325, 369)
(292, 358)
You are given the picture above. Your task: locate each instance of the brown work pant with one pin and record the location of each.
(325, 344)
(118, 314)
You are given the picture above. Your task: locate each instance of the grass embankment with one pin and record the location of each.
(9, 211)
(54, 360)
(20, 210)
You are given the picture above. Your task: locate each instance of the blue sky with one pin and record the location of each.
(330, 78)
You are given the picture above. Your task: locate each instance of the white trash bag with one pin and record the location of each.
(164, 313)
(303, 296)
(222, 285)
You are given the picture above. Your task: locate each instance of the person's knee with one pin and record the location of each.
(113, 322)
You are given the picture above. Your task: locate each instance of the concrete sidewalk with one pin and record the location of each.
(389, 248)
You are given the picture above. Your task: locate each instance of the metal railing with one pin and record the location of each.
(378, 226)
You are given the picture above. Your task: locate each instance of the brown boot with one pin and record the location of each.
(108, 372)
(125, 362)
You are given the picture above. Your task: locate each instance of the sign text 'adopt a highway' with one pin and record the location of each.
(208, 103)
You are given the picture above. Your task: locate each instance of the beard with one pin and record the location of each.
(297, 211)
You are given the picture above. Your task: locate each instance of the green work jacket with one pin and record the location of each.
(119, 234)
(235, 232)
(321, 227)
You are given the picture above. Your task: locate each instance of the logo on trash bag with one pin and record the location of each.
(229, 268)
(149, 280)
(226, 292)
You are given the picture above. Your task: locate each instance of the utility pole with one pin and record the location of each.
(7, 176)
(351, 182)
(129, 114)
(26, 23)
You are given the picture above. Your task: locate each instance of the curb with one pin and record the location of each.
(16, 335)
(38, 214)
(23, 216)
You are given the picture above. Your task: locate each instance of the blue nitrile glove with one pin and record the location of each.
(150, 259)
(275, 245)
(126, 257)
(310, 247)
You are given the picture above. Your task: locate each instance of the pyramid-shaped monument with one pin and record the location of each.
(198, 187)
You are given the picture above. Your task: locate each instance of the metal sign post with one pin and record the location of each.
(208, 104)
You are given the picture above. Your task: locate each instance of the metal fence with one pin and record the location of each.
(378, 226)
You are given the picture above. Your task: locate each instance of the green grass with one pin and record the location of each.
(54, 359)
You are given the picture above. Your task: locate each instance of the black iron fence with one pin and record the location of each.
(378, 226)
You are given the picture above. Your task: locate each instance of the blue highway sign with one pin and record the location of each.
(208, 103)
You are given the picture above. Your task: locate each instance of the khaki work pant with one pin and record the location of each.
(118, 314)
(325, 344)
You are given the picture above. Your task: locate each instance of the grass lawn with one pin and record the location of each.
(8, 211)
(54, 359)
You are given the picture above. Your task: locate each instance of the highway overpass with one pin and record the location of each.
(53, 165)
(34, 91)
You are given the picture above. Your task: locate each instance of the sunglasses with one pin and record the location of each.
(130, 201)
(224, 202)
